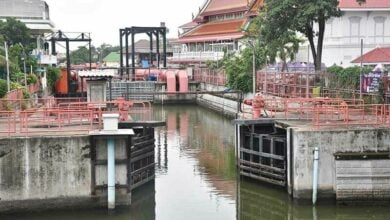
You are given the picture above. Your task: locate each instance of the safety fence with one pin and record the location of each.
(322, 112)
(315, 84)
(57, 116)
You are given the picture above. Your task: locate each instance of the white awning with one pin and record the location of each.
(97, 73)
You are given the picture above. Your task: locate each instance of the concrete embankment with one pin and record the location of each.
(354, 164)
(39, 173)
(44, 172)
(222, 105)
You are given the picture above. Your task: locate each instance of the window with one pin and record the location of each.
(354, 29)
(229, 16)
(329, 28)
(379, 30)
(212, 18)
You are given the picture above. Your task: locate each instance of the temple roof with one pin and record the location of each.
(211, 31)
(254, 6)
(188, 25)
(214, 7)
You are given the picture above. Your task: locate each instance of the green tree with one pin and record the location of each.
(16, 32)
(307, 17)
(80, 56)
(239, 67)
(284, 46)
(20, 43)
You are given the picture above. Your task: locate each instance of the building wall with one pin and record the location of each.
(24, 9)
(343, 35)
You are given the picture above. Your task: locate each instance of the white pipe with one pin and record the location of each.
(315, 174)
(111, 173)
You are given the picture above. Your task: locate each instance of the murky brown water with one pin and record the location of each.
(196, 179)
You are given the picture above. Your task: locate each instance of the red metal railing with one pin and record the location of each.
(69, 117)
(325, 112)
(213, 77)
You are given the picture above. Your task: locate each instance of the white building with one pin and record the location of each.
(36, 15)
(342, 42)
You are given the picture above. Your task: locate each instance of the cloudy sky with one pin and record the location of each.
(103, 18)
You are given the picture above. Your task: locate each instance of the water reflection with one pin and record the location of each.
(198, 177)
(257, 201)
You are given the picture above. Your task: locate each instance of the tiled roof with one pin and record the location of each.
(224, 6)
(210, 31)
(352, 4)
(191, 24)
(229, 26)
(143, 46)
(378, 55)
(254, 7)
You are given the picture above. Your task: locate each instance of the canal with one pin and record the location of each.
(196, 179)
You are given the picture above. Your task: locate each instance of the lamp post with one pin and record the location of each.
(24, 65)
(252, 44)
(7, 61)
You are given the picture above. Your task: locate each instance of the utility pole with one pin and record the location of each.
(252, 44)
(7, 61)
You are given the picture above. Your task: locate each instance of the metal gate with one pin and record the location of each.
(263, 154)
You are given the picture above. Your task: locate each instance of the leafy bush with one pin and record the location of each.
(3, 88)
(348, 78)
(26, 95)
(15, 85)
(32, 79)
(53, 74)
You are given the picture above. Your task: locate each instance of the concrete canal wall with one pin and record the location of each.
(53, 172)
(222, 105)
(43, 168)
(354, 164)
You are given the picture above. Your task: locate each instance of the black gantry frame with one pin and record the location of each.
(62, 37)
(150, 31)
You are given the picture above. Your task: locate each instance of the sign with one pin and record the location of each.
(370, 82)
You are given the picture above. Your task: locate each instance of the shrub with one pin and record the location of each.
(26, 95)
(53, 74)
(15, 85)
(3, 88)
(32, 79)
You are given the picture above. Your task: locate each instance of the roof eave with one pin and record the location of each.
(365, 9)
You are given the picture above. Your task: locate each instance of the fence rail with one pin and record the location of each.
(325, 112)
(213, 77)
(57, 116)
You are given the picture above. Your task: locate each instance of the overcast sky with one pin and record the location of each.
(103, 18)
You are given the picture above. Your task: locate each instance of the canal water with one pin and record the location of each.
(196, 179)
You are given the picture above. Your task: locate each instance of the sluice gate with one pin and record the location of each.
(263, 152)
